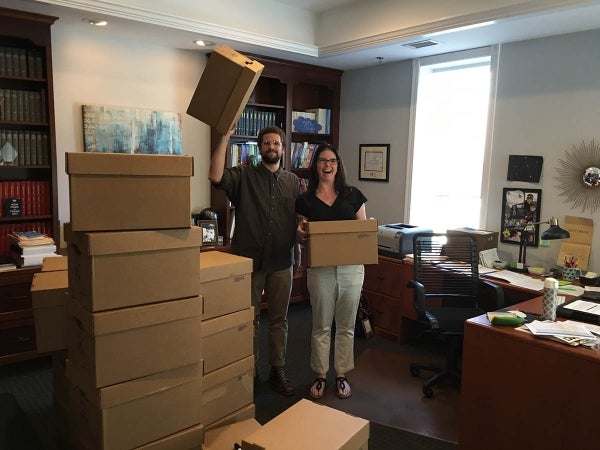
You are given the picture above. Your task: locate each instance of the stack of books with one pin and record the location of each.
(29, 248)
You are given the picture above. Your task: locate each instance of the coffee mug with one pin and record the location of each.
(571, 273)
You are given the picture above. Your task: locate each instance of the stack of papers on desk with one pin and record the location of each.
(518, 279)
(567, 332)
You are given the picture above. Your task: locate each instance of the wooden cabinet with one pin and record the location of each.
(389, 300)
(27, 125)
(17, 330)
(29, 175)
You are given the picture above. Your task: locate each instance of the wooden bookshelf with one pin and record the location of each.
(27, 123)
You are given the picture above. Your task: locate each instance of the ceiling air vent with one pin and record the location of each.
(420, 44)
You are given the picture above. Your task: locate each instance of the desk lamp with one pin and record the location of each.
(554, 232)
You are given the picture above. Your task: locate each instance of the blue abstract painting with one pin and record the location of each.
(111, 129)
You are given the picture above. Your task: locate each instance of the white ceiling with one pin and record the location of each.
(350, 45)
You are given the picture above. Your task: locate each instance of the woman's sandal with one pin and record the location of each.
(317, 389)
(342, 387)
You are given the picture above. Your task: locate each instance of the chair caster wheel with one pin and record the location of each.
(428, 392)
(414, 371)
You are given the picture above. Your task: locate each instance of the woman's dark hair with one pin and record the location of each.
(340, 176)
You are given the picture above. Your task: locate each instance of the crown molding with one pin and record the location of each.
(209, 30)
(447, 25)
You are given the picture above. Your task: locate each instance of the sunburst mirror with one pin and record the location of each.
(579, 176)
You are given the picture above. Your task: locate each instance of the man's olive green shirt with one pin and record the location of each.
(265, 218)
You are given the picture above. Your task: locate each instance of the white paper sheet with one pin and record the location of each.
(518, 279)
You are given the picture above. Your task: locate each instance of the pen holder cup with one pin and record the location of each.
(570, 273)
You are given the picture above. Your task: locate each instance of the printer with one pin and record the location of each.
(396, 240)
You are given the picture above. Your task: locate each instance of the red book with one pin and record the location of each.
(47, 203)
(37, 197)
(24, 194)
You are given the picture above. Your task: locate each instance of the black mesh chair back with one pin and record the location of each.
(447, 293)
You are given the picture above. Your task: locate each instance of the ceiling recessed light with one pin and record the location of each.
(96, 22)
(203, 43)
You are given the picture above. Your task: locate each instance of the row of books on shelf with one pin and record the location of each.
(34, 196)
(302, 154)
(21, 62)
(33, 148)
(253, 120)
(244, 153)
(18, 105)
(7, 246)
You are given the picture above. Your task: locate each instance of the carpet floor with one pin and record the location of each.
(383, 392)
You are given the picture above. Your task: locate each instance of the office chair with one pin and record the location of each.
(447, 292)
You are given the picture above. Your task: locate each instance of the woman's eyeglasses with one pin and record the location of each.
(331, 161)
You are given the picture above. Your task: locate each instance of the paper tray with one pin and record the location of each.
(570, 310)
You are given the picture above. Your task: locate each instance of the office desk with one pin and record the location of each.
(523, 392)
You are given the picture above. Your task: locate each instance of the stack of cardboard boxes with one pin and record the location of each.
(227, 338)
(134, 311)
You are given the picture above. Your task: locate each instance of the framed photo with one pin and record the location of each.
(210, 232)
(520, 208)
(374, 162)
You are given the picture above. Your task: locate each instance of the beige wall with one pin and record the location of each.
(96, 69)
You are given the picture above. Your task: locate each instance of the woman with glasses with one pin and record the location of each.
(334, 290)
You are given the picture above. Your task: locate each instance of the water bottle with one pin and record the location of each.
(550, 299)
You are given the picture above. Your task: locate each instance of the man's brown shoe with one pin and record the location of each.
(279, 381)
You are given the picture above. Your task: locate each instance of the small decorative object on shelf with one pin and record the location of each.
(8, 154)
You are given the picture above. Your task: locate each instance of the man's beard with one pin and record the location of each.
(267, 158)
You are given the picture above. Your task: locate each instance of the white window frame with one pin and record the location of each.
(493, 52)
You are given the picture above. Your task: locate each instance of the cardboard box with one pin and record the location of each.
(48, 298)
(190, 438)
(484, 239)
(123, 344)
(227, 389)
(224, 88)
(227, 339)
(222, 437)
(115, 191)
(135, 413)
(225, 283)
(342, 242)
(52, 263)
(242, 414)
(310, 425)
(109, 270)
